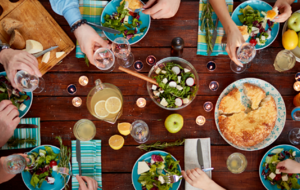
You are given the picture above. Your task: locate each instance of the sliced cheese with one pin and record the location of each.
(142, 167)
(59, 54)
(46, 57)
(33, 46)
(22, 107)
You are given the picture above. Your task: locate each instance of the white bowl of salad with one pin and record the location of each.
(178, 83)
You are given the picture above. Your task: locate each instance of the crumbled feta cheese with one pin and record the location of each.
(164, 102)
(179, 79)
(157, 71)
(54, 168)
(179, 87)
(126, 19)
(294, 153)
(161, 179)
(22, 107)
(152, 161)
(256, 31)
(277, 171)
(165, 80)
(163, 72)
(156, 93)
(254, 28)
(263, 13)
(284, 178)
(142, 167)
(263, 38)
(272, 175)
(186, 70)
(154, 87)
(172, 84)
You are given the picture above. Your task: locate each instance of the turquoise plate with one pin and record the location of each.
(261, 6)
(111, 7)
(147, 157)
(266, 182)
(26, 102)
(58, 184)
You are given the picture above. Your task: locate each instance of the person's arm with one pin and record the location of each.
(87, 183)
(159, 9)
(289, 166)
(285, 9)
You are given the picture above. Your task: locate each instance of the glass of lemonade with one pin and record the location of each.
(285, 60)
(105, 102)
(84, 130)
(236, 163)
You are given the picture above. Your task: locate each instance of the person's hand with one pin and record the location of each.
(162, 8)
(199, 179)
(9, 119)
(289, 166)
(91, 183)
(285, 10)
(89, 41)
(14, 60)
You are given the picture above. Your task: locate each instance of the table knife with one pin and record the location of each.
(43, 52)
(27, 126)
(106, 29)
(214, 37)
(78, 155)
(200, 154)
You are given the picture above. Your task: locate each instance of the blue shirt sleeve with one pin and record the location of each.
(68, 8)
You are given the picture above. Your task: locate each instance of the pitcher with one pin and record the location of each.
(105, 102)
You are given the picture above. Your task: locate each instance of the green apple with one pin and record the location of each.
(174, 123)
(294, 22)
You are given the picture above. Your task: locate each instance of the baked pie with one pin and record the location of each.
(255, 94)
(232, 103)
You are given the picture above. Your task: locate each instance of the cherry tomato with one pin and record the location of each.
(253, 42)
(133, 14)
(53, 163)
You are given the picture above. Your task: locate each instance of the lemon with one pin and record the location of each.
(116, 142)
(290, 39)
(124, 128)
(113, 105)
(100, 109)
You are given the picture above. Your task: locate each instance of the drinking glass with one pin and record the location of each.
(236, 163)
(15, 164)
(294, 136)
(104, 59)
(285, 60)
(84, 130)
(28, 82)
(245, 54)
(122, 51)
(139, 130)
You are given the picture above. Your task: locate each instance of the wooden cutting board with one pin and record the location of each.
(37, 25)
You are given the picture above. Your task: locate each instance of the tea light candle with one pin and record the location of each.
(297, 86)
(71, 89)
(213, 85)
(151, 60)
(200, 120)
(141, 102)
(208, 106)
(211, 66)
(138, 65)
(76, 101)
(83, 80)
(297, 76)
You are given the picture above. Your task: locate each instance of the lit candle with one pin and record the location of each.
(297, 76)
(297, 86)
(208, 106)
(200, 120)
(138, 65)
(83, 80)
(211, 66)
(71, 89)
(151, 60)
(76, 101)
(213, 85)
(141, 102)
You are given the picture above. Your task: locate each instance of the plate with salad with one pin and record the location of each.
(262, 32)
(133, 26)
(271, 177)
(149, 169)
(22, 100)
(44, 175)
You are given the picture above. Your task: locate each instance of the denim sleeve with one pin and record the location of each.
(68, 8)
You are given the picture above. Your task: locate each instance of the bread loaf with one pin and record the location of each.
(9, 25)
(16, 40)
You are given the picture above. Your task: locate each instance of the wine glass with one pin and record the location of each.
(15, 164)
(294, 136)
(245, 54)
(104, 59)
(28, 82)
(122, 51)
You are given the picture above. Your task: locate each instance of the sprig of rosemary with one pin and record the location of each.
(14, 142)
(207, 24)
(64, 159)
(86, 60)
(159, 145)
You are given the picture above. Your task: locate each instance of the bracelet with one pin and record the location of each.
(77, 24)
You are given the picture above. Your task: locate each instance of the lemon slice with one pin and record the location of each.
(124, 128)
(116, 142)
(100, 109)
(113, 105)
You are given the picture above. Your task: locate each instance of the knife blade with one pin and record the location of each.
(200, 155)
(27, 126)
(214, 37)
(78, 155)
(106, 29)
(43, 52)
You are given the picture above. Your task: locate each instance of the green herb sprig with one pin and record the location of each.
(64, 159)
(14, 142)
(207, 24)
(159, 145)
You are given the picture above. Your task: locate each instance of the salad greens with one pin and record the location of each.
(151, 180)
(124, 21)
(270, 173)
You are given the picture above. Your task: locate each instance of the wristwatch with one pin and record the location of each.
(3, 46)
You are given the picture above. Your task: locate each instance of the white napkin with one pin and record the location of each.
(191, 157)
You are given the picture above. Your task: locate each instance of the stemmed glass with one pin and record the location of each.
(104, 59)
(28, 82)
(122, 51)
(15, 164)
(245, 54)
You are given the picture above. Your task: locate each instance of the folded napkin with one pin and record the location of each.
(90, 161)
(27, 133)
(191, 157)
(91, 11)
(202, 45)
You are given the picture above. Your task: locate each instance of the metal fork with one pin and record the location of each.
(175, 178)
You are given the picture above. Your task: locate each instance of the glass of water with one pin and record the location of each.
(140, 131)
(294, 136)
(28, 82)
(245, 54)
(122, 51)
(236, 163)
(104, 59)
(15, 164)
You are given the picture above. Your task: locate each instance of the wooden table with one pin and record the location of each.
(58, 116)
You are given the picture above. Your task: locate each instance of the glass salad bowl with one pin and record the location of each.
(189, 75)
